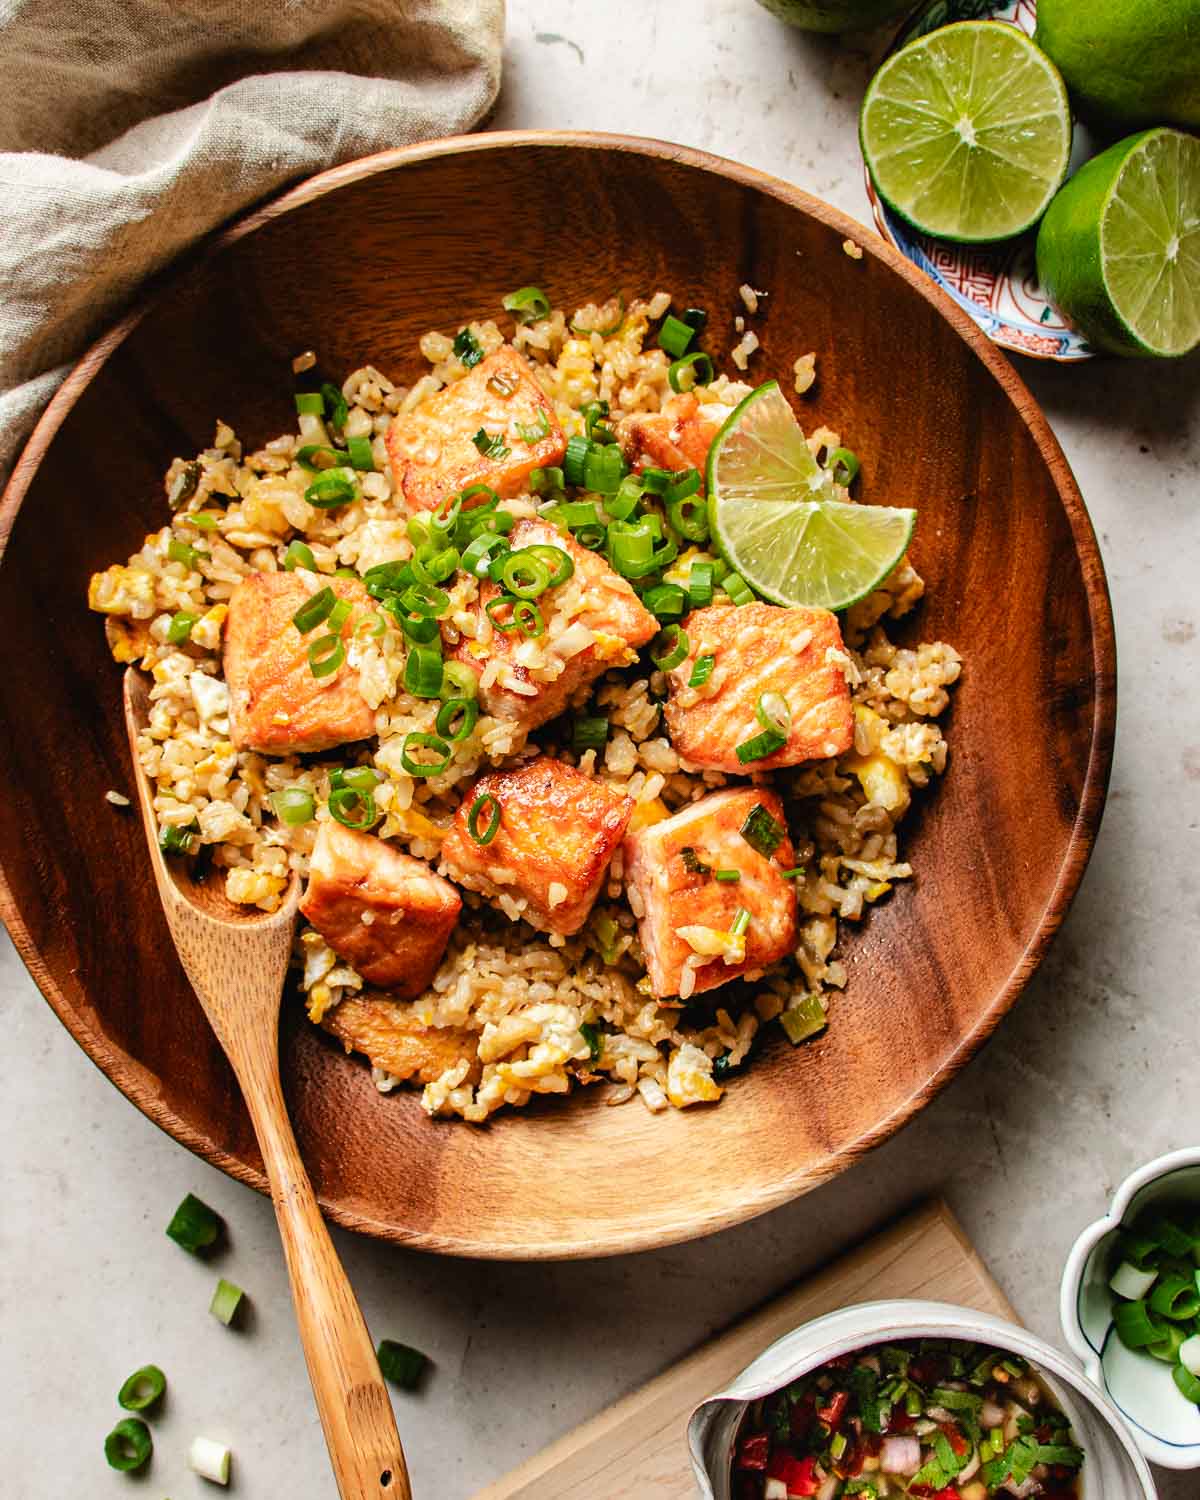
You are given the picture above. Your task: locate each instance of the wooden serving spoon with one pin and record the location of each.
(236, 960)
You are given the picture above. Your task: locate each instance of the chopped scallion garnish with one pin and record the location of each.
(325, 655)
(490, 804)
(594, 1038)
(675, 335)
(759, 746)
(741, 921)
(456, 719)
(669, 647)
(762, 832)
(692, 862)
(353, 807)
(316, 607)
(180, 627)
(529, 304)
(491, 445)
(467, 348)
(701, 671)
(728, 877)
(589, 732)
(293, 805)
(423, 672)
(431, 745)
(143, 1388)
(690, 371)
(298, 555)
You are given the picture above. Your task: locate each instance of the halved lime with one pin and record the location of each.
(774, 518)
(1119, 248)
(966, 132)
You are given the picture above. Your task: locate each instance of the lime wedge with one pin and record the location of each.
(774, 518)
(1119, 248)
(966, 132)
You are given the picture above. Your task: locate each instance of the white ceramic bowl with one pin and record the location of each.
(1165, 1426)
(1113, 1469)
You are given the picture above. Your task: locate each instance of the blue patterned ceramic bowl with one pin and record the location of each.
(997, 286)
(1165, 1426)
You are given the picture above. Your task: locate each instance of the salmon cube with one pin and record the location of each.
(677, 437)
(685, 914)
(393, 1038)
(594, 617)
(557, 834)
(276, 705)
(759, 649)
(436, 449)
(384, 912)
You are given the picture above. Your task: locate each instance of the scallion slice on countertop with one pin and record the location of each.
(128, 1445)
(225, 1301)
(143, 1388)
(762, 832)
(400, 1364)
(209, 1459)
(528, 304)
(485, 803)
(194, 1225)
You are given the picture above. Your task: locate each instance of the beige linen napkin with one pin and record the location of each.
(129, 128)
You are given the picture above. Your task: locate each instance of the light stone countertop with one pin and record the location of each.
(1091, 1075)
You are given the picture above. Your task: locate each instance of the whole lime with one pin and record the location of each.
(1126, 62)
(835, 15)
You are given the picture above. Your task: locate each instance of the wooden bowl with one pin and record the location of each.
(358, 263)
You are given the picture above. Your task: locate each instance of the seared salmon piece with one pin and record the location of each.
(557, 834)
(384, 912)
(677, 437)
(595, 598)
(276, 705)
(391, 1037)
(433, 448)
(759, 649)
(687, 914)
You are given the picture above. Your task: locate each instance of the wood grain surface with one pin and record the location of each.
(236, 959)
(358, 263)
(638, 1447)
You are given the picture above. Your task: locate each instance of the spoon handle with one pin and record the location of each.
(352, 1400)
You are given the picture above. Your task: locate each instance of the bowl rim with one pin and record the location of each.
(898, 1318)
(127, 1074)
(1158, 1450)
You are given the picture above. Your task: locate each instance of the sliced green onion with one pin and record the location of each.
(492, 610)
(843, 467)
(797, 872)
(729, 877)
(557, 559)
(419, 629)
(225, 1301)
(1187, 1383)
(762, 832)
(184, 485)
(387, 578)
(175, 840)
(741, 921)
(532, 434)
(466, 711)
(372, 625)
(772, 712)
(486, 801)
(655, 481)
(339, 614)
(525, 574)
(400, 1364)
(459, 680)
(194, 1225)
(316, 458)
(310, 403)
(445, 515)
(437, 563)
(595, 1041)
(180, 627)
(298, 555)
(326, 655)
(209, 1459)
(666, 601)
(362, 456)
(491, 445)
(316, 607)
(594, 425)
(545, 481)
(702, 671)
(143, 1388)
(631, 548)
(683, 485)
(603, 469)
(423, 672)
(1132, 1281)
(692, 862)
(425, 599)
(529, 304)
(804, 1019)
(332, 488)
(690, 371)
(202, 519)
(180, 552)
(623, 504)
(415, 742)
(353, 808)
(697, 318)
(528, 618)
(1136, 1325)
(128, 1445)
(478, 553)
(1167, 1348)
(1189, 1354)
(293, 806)
(760, 746)
(738, 589)
(675, 335)
(689, 516)
(589, 732)
(669, 647)
(467, 348)
(360, 778)
(1176, 1297)
(574, 458)
(335, 404)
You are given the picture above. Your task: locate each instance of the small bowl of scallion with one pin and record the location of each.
(1130, 1306)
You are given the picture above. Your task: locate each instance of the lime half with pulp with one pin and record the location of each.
(1119, 248)
(966, 132)
(774, 518)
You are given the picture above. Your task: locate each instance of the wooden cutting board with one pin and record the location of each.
(637, 1448)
